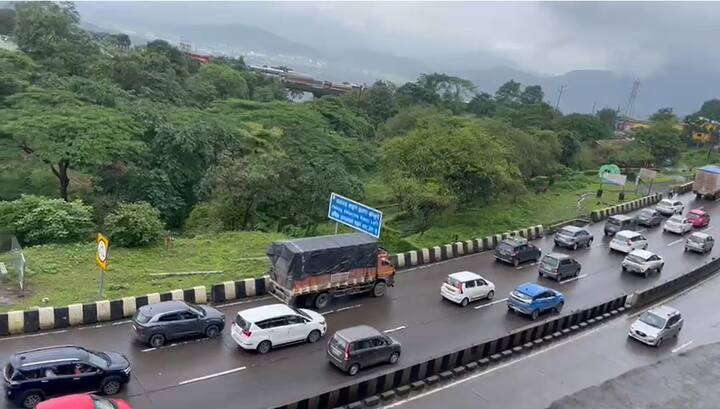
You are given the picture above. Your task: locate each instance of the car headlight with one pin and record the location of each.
(127, 370)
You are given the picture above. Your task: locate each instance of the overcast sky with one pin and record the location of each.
(553, 38)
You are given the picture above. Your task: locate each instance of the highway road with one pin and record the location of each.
(216, 374)
(588, 359)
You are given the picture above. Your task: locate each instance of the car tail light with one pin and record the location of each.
(347, 352)
(247, 333)
(629, 243)
(514, 253)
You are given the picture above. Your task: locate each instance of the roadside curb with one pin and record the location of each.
(434, 254)
(602, 214)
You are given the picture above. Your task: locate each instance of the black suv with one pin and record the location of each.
(156, 323)
(358, 347)
(34, 375)
(516, 250)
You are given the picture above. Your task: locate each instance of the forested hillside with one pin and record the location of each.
(98, 134)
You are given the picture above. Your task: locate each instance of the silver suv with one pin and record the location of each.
(643, 262)
(656, 325)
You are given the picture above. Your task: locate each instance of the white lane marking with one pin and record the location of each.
(400, 328)
(121, 322)
(490, 303)
(41, 334)
(523, 266)
(674, 242)
(570, 280)
(341, 309)
(230, 304)
(683, 346)
(192, 341)
(496, 368)
(215, 375)
(707, 228)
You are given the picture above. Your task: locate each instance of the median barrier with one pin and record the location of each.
(602, 214)
(501, 348)
(233, 290)
(434, 254)
(684, 188)
(47, 318)
(640, 299)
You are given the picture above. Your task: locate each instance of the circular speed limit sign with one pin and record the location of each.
(102, 251)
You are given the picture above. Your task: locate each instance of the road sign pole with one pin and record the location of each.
(102, 284)
(336, 227)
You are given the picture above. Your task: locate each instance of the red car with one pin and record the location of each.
(699, 218)
(83, 401)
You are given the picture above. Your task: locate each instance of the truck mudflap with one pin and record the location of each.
(281, 294)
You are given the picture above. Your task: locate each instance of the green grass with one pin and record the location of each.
(67, 273)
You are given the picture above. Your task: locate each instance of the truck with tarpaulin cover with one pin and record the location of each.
(309, 272)
(707, 182)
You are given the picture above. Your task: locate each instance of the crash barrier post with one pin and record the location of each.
(483, 353)
(434, 254)
(642, 298)
(684, 188)
(602, 214)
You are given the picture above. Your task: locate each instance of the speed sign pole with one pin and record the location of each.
(101, 260)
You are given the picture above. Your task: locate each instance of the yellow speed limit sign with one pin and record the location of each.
(102, 251)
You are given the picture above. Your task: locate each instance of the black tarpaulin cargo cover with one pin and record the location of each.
(297, 259)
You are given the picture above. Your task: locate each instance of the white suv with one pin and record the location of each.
(643, 262)
(627, 240)
(463, 287)
(678, 224)
(263, 328)
(670, 206)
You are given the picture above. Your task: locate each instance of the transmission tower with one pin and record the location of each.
(629, 110)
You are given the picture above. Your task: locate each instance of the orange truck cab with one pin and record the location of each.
(310, 272)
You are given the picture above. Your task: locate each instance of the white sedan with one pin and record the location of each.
(678, 224)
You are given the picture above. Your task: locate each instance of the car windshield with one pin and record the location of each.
(693, 216)
(101, 403)
(197, 309)
(505, 247)
(452, 281)
(338, 343)
(652, 320)
(301, 312)
(549, 261)
(646, 213)
(696, 239)
(665, 203)
(522, 296)
(676, 219)
(636, 258)
(99, 359)
(240, 322)
(568, 233)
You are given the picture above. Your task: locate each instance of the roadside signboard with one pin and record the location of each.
(355, 215)
(647, 174)
(614, 179)
(608, 168)
(102, 251)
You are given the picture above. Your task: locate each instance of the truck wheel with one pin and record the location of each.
(321, 300)
(379, 289)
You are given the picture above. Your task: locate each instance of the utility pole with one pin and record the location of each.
(560, 94)
(630, 106)
(593, 109)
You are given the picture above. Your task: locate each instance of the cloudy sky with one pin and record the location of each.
(552, 38)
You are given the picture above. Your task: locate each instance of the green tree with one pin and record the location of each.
(663, 115)
(67, 135)
(607, 116)
(381, 104)
(16, 72)
(482, 105)
(662, 140)
(423, 201)
(40, 220)
(532, 94)
(228, 82)
(586, 127)
(710, 109)
(570, 146)
(134, 225)
(448, 87)
(509, 92)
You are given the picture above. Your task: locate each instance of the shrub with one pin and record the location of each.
(203, 219)
(134, 225)
(41, 220)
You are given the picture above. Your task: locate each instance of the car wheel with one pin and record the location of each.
(321, 300)
(212, 331)
(645, 247)
(379, 289)
(540, 274)
(589, 243)
(575, 246)
(659, 342)
(464, 302)
(354, 369)
(559, 308)
(490, 295)
(559, 277)
(686, 249)
(624, 269)
(110, 386)
(157, 340)
(313, 336)
(509, 308)
(264, 347)
(516, 262)
(535, 314)
(31, 399)
(646, 273)
(659, 270)
(394, 358)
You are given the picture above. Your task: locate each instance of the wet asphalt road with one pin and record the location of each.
(413, 312)
(591, 358)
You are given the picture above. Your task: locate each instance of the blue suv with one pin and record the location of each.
(533, 299)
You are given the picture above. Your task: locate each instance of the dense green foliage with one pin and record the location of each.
(39, 220)
(133, 225)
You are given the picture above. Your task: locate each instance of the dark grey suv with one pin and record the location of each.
(353, 348)
(156, 323)
(648, 218)
(573, 237)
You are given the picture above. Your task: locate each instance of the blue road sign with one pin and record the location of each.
(355, 215)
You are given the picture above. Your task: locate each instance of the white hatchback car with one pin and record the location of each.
(627, 240)
(678, 224)
(654, 326)
(670, 206)
(463, 287)
(263, 328)
(643, 262)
